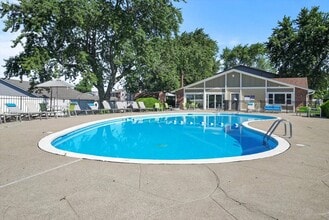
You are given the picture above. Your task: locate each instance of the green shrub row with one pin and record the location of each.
(325, 109)
(148, 102)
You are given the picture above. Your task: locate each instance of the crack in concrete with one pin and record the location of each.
(245, 205)
(219, 187)
(5, 212)
(326, 184)
(70, 205)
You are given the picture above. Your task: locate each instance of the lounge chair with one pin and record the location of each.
(14, 111)
(134, 106)
(157, 106)
(107, 108)
(121, 107)
(34, 111)
(80, 110)
(142, 106)
(5, 116)
(2, 117)
(167, 107)
(72, 110)
(93, 107)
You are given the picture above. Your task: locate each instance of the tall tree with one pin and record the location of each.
(103, 38)
(173, 62)
(300, 47)
(156, 70)
(254, 55)
(195, 55)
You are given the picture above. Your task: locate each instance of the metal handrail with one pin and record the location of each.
(274, 126)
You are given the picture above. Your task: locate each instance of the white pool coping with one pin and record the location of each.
(45, 144)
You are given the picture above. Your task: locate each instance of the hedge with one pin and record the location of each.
(325, 109)
(148, 102)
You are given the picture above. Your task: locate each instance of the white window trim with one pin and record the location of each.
(285, 93)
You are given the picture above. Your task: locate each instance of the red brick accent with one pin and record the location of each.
(300, 97)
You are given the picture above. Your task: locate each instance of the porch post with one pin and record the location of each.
(204, 96)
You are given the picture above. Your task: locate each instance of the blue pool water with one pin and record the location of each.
(168, 137)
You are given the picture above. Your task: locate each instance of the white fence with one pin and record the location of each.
(21, 100)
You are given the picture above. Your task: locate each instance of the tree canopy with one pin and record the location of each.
(173, 62)
(137, 42)
(254, 55)
(85, 37)
(300, 47)
(195, 56)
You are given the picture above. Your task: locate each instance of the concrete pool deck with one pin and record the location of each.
(38, 185)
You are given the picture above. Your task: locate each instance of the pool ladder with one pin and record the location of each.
(274, 126)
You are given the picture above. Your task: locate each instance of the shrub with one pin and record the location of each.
(325, 109)
(148, 102)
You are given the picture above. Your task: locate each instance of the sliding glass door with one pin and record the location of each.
(214, 101)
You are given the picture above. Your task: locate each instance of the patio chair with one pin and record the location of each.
(302, 109)
(157, 106)
(134, 106)
(93, 107)
(14, 111)
(45, 110)
(80, 110)
(121, 107)
(315, 111)
(33, 111)
(167, 107)
(71, 109)
(107, 107)
(142, 106)
(4, 116)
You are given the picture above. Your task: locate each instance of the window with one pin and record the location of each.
(195, 99)
(289, 99)
(280, 98)
(270, 98)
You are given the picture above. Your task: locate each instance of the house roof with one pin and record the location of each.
(299, 82)
(23, 87)
(295, 82)
(15, 88)
(254, 71)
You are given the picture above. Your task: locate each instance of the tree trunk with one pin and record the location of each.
(181, 79)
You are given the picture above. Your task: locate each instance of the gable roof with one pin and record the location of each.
(19, 88)
(292, 82)
(15, 88)
(254, 71)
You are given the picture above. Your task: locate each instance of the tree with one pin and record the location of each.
(85, 37)
(195, 56)
(86, 83)
(300, 47)
(281, 46)
(254, 55)
(173, 62)
(156, 70)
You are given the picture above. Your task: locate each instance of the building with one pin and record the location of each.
(244, 88)
(18, 91)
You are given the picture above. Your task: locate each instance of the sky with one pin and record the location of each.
(228, 22)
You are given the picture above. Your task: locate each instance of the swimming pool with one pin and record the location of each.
(167, 138)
